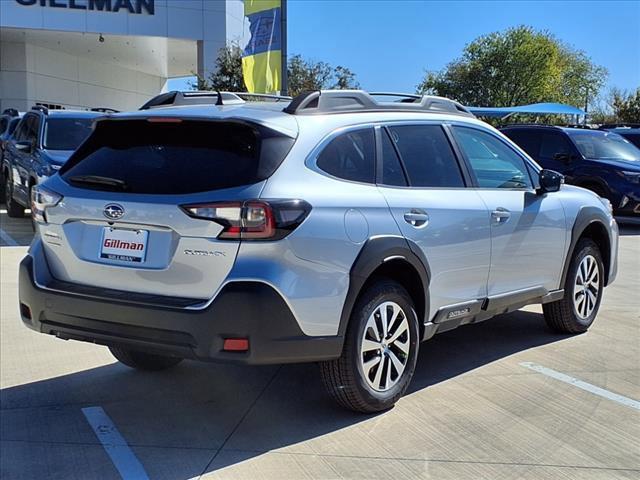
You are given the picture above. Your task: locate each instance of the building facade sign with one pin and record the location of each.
(130, 6)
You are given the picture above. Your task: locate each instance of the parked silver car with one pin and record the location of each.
(340, 230)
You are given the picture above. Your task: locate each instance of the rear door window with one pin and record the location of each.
(350, 156)
(139, 156)
(553, 144)
(527, 140)
(427, 156)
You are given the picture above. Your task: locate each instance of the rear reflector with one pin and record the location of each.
(236, 344)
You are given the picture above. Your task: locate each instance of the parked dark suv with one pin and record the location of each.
(630, 131)
(8, 122)
(601, 161)
(40, 145)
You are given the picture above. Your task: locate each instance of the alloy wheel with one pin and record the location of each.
(385, 345)
(587, 287)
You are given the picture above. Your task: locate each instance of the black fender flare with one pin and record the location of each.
(585, 218)
(375, 252)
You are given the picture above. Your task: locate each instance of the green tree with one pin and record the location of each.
(626, 105)
(303, 75)
(228, 73)
(344, 79)
(515, 67)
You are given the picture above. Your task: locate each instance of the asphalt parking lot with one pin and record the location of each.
(498, 400)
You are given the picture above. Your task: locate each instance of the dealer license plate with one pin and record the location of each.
(124, 245)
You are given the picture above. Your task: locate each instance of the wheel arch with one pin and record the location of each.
(591, 223)
(594, 183)
(390, 257)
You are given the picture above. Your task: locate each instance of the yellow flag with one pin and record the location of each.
(262, 57)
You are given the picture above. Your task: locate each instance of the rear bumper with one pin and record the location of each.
(250, 310)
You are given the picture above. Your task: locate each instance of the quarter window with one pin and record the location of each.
(427, 156)
(493, 163)
(350, 156)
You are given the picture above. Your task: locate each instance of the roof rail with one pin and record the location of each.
(12, 112)
(352, 101)
(41, 108)
(267, 96)
(195, 97)
(104, 110)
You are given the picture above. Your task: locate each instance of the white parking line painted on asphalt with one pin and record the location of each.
(626, 401)
(8, 239)
(115, 445)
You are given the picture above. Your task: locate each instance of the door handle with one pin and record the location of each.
(500, 215)
(416, 217)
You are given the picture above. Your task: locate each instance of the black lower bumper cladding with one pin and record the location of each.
(251, 310)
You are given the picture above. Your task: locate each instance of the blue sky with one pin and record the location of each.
(389, 44)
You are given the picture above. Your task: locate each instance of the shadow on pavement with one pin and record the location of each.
(239, 411)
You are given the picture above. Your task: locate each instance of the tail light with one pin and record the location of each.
(41, 199)
(252, 219)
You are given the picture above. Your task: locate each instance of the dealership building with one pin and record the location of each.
(107, 53)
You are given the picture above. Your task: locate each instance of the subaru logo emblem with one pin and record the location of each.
(113, 211)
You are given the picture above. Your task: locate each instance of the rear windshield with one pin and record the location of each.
(139, 156)
(66, 133)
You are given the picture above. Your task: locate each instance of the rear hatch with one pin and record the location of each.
(123, 224)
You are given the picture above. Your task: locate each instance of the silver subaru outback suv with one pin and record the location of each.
(343, 229)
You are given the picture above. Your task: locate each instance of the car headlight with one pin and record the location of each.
(633, 177)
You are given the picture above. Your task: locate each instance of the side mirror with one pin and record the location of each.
(550, 181)
(563, 157)
(24, 146)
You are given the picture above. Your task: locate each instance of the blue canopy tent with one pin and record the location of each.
(533, 109)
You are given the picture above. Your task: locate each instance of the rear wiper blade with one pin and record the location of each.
(100, 181)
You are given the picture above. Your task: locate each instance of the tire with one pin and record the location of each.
(345, 377)
(142, 360)
(578, 309)
(3, 176)
(14, 209)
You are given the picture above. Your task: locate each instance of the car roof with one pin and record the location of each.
(73, 114)
(623, 130)
(272, 115)
(555, 127)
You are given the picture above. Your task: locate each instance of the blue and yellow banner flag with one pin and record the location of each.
(262, 57)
